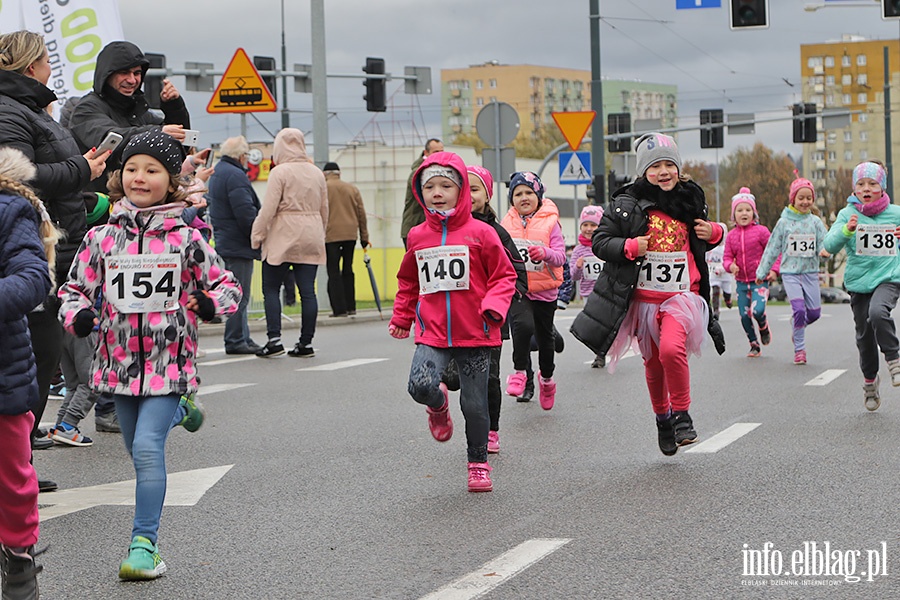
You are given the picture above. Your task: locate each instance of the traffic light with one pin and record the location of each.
(618, 123)
(376, 89)
(615, 181)
(805, 125)
(267, 63)
(890, 9)
(153, 84)
(712, 137)
(749, 14)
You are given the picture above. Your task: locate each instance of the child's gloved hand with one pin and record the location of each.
(717, 335)
(202, 304)
(537, 253)
(397, 332)
(84, 322)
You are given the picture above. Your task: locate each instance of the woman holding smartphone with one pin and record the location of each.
(62, 173)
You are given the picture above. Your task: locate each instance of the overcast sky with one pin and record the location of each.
(750, 71)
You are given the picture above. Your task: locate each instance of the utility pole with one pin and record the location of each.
(598, 159)
(320, 95)
(285, 114)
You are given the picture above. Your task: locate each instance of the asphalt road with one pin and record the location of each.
(337, 489)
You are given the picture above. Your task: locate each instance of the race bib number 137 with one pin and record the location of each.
(665, 272)
(143, 283)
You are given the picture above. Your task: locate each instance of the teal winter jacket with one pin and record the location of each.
(864, 273)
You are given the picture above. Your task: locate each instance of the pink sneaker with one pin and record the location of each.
(439, 421)
(800, 357)
(480, 477)
(548, 392)
(515, 383)
(493, 442)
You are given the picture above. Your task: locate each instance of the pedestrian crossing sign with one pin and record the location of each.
(575, 168)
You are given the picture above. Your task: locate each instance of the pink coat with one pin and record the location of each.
(744, 246)
(454, 318)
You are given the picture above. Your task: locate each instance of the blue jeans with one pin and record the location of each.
(145, 423)
(237, 332)
(751, 299)
(305, 275)
(428, 364)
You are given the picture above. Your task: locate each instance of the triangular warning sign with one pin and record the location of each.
(241, 89)
(574, 125)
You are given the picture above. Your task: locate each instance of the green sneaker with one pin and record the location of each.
(143, 561)
(193, 418)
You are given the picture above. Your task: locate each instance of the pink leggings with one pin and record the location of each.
(19, 517)
(667, 371)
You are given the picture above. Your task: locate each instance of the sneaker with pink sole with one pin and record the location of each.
(439, 421)
(493, 442)
(800, 357)
(547, 392)
(480, 477)
(515, 383)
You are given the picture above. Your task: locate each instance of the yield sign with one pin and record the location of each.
(241, 89)
(574, 125)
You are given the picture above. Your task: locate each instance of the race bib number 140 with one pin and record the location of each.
(443, 269)
(143, 283)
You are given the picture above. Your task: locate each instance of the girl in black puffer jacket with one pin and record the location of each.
(654, 288)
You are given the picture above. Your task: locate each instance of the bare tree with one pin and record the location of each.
(767, 174)
(831, 199)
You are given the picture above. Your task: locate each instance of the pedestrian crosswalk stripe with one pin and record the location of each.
(344, 364)
(499, 570)
(826, 377)
(723, 438)
(228, 361)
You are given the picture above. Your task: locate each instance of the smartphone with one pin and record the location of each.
(210, 157)
(110, 142)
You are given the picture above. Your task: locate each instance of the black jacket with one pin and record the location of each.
(61, 170)
(233, 205)
(104, 109)
(518, 264)
(597, 325)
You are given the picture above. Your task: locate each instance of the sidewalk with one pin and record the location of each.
(257, 321)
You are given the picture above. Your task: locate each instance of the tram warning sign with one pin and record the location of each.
(241, 89)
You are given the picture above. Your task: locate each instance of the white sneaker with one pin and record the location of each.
(872, 398)
(894, 366)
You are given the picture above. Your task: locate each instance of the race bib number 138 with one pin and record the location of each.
(143, 283)
(875, 240)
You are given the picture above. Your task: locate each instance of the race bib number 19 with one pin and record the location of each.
(143, 283)
(875, 240)
(592, 268)
(443, 269)
(665, 272)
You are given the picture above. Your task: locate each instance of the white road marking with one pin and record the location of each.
(215, 351)
(228, 361)
(563, 319)
(628, 354)
(826, 377)
(205, 390)
(498, 570)
(723, 438)
(344, 364)
(183, 489)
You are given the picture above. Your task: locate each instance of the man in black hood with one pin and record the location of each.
(118, 104)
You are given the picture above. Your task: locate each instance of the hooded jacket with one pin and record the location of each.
(744, 246)
(446, 319)
(597, 325)
(62, 173)
(790, 223)
(104, 109)
(153, 353)
(290, 227)
(24, 283)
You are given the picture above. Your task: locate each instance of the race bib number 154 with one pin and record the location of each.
(144, 282)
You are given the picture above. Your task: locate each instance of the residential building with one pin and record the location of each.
(848, 74)
(536, 92)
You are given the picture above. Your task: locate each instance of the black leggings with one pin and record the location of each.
(533, 317)
(46, 342)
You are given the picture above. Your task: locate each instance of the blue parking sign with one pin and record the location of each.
(698, 4)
